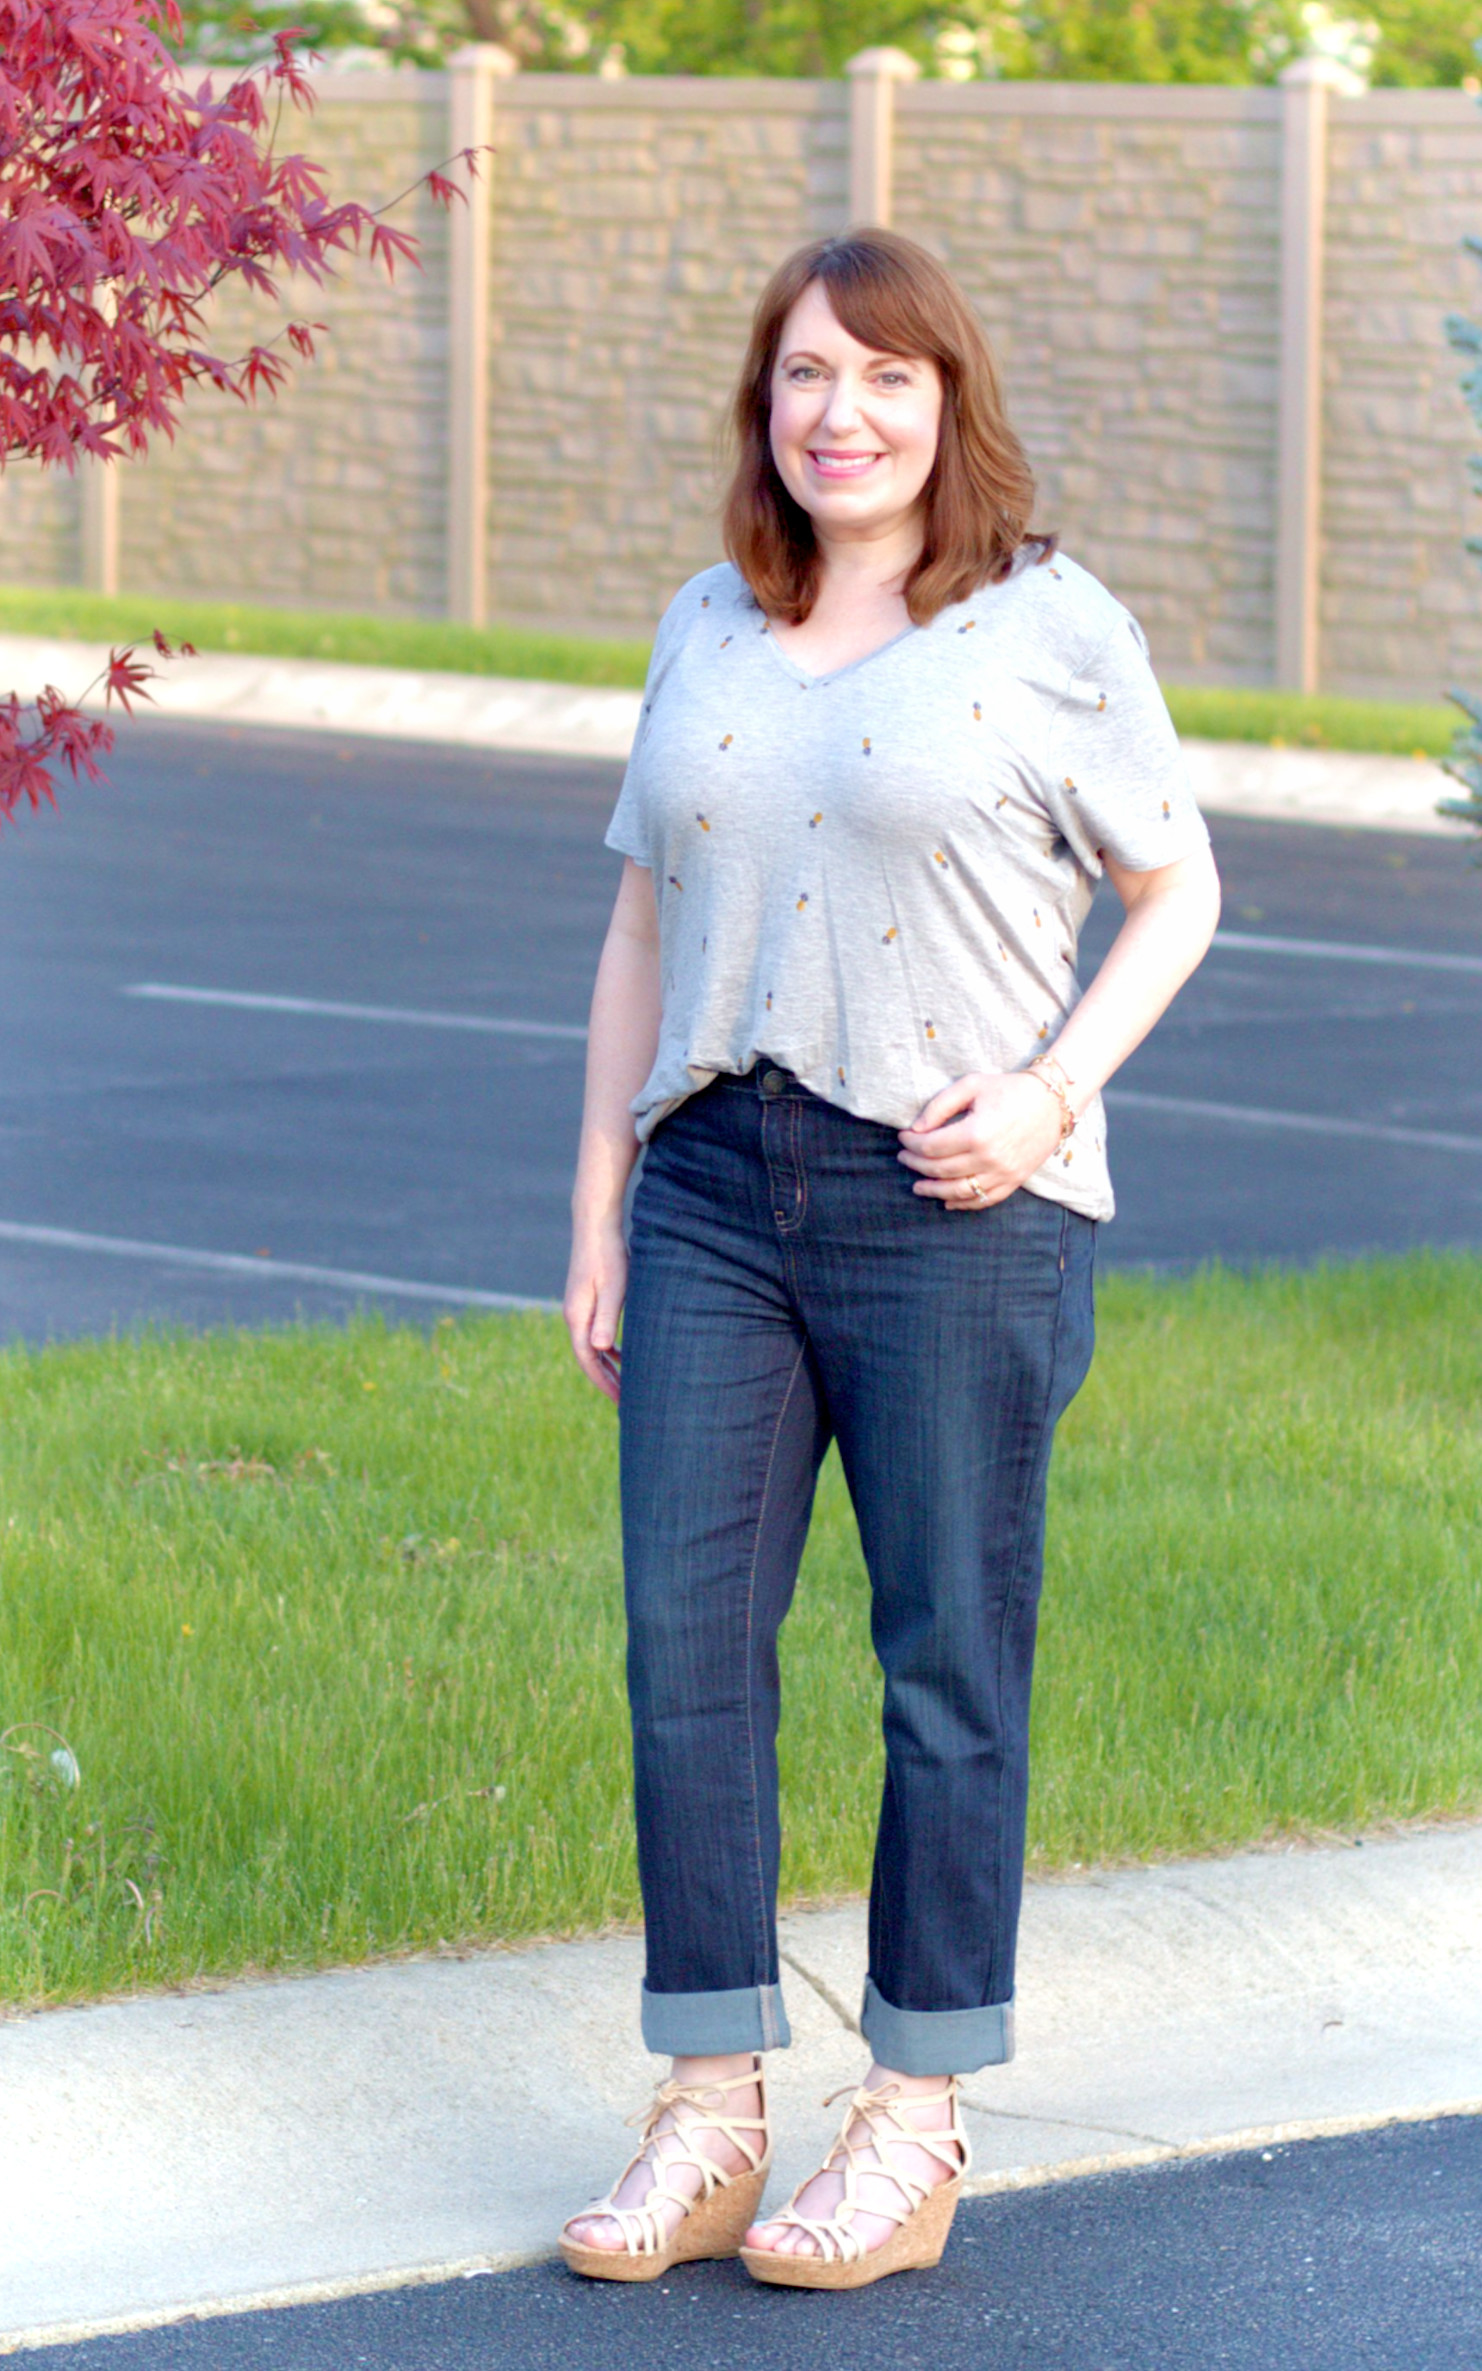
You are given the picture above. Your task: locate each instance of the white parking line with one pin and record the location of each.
(1240, 942)
(1309, 1123)
(160, 992)
(1237, 1114)
(1343, 951)
(235, 1263)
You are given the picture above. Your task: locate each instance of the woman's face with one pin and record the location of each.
(854, 434)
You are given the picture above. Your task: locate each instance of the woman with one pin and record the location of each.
(885, 753)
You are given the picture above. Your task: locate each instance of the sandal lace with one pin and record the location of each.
(886, 2128)
(644, 2230)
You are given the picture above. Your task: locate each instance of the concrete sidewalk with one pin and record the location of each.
(492, 712)
(268, 2142)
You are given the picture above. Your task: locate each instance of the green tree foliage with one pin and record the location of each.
(1137, 40)
(543, 35)
(1424, 42)
(1391, 41)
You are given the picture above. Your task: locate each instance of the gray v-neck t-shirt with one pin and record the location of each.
(877, 878)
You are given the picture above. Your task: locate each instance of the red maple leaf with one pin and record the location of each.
(127, 197)
(125, 677)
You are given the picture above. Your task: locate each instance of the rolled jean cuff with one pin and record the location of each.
(936, 2041)
(715, 2024)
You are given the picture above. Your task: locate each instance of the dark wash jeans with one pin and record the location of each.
(787, 1288)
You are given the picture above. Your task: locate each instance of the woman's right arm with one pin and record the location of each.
(621, 1045)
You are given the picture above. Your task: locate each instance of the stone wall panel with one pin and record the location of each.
(667, 211)
(1127, 270)
(40, 527)
(1401, 600)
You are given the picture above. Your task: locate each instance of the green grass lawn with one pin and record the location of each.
(327, 634)
(1314, 720)
(331, 1623)
(1286, 718)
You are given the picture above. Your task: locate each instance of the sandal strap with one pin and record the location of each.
(699, 2096)
(887, 2127)
(643, 2227)
(833, 2242)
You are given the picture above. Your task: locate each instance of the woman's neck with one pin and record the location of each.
(859, 604)
(867, 567)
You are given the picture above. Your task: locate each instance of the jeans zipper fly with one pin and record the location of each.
(785, 1181)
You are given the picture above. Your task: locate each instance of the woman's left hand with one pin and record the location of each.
(976, 1142)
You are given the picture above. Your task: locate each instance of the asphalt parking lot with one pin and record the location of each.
(295, 1021)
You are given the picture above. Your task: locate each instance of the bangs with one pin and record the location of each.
(880, 309)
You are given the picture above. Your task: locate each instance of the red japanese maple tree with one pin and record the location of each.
(126, 198)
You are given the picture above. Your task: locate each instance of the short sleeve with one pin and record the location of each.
(628, 831)
(1115, 782)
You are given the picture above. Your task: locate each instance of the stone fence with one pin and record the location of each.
(1219, 313)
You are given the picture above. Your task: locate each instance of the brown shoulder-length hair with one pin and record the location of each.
(896, 299)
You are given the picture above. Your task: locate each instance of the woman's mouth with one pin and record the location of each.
(842, 465)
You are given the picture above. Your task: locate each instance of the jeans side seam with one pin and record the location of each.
(1011, 1594)
(756, 1547)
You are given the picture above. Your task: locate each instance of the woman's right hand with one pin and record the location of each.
(596, 1283)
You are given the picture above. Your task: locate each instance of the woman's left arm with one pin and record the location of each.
(998, 1128)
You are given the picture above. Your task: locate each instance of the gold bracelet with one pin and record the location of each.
(1059, 1086)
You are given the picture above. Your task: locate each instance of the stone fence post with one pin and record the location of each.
(873, 75)
(472, 75)
(1305, 89)
(97, 493)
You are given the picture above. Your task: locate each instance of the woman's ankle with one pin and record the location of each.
(736, 2067)
(907, 2087)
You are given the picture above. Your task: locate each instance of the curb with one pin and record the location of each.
(387, 703)
(310, 2292)
(426, 2276)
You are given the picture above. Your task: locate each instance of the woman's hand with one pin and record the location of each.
(976, 1142)
(595, 1285)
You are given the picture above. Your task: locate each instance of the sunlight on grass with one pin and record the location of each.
(331, 1622)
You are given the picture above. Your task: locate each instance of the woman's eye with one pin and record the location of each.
(802, 370)
(894, 378)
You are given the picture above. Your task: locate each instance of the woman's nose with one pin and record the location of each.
(843, 407)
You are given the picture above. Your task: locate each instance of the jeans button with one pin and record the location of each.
(773, 1082)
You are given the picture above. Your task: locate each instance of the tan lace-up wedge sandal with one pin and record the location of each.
(841, 2260)
(714, 2218)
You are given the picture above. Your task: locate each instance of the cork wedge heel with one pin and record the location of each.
(714, 2219)
(840, 2259)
